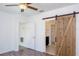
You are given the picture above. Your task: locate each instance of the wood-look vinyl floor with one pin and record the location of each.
(25, 52)
(51, 49)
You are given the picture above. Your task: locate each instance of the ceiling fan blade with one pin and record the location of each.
(12, 5)
(28, 3)
(32, 7)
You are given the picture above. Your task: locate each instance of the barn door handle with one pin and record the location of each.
(55, 39)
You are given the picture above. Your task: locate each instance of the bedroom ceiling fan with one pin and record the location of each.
(23, 6)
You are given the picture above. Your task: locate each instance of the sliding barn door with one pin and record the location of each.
(65, 35)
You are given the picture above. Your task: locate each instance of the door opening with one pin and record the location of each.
(50, 37)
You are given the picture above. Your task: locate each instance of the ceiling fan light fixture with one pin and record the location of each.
(22, 6)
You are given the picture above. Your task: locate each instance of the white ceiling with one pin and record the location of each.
(41, 6)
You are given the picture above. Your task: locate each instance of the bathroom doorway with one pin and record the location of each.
(50, 34)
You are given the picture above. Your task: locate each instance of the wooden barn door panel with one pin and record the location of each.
(59, 37)
(65, 36)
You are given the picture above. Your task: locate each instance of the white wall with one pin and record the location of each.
(77, 34)
(40, 25)
(8, 32)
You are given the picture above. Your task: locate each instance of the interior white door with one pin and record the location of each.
(29, 35)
